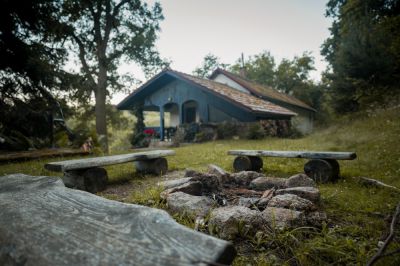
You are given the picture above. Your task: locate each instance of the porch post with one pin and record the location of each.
(161, 122)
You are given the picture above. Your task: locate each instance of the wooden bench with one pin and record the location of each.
(87, 174)
(44, 223)
(322, 166)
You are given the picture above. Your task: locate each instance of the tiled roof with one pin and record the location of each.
(261, 90)
(245, 100)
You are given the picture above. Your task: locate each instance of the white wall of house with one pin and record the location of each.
(304, 121)
(173, 116)
(221, 78)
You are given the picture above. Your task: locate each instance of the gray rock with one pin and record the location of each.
(221, 174)
(316, 218)
(245, 177)
(247, 202)
(263, 183)
(216, 170)
(180, 202)
(210, 182)
(174, 183)
(280, 218)
(300, 180)
(232, 221)
(192, 188)
(310, 193)
(291, 201)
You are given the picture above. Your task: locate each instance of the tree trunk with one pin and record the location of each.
(100, 110)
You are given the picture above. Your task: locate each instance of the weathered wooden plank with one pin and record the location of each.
(64, 166)
(296, 154)
(44, 223)
(31, 155)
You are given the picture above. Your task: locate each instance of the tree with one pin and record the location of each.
(31, 79)
(289, 76)
(210, 63)
(363, 51)
(292, 76)
(105, 32)
(259, 68)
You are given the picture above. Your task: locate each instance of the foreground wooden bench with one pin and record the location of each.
(87, 174)
(44, 223)
(322, 167)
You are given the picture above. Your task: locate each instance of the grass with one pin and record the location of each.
(356, 213)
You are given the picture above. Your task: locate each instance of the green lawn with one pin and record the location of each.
(356, 213)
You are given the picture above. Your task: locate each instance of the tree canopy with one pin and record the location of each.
(31, 78)
(209, 64)
(363, 51)
(104, 33)
(291, 76)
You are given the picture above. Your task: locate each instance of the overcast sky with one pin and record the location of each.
(226, 28)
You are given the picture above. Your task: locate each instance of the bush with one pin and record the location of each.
(178, 137)
(226, 130)
(255, 131)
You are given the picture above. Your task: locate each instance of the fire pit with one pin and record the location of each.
(244, 202)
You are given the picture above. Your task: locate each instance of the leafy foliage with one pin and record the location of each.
(259, 68)
(210, 63)
(289, 76)
(105, 33)
(363, 51)
(31, 53)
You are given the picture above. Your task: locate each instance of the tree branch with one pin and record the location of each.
(382, 249)
(96, 22)
(117, 7)
(109, 22)
(376, 183)
(82, 58)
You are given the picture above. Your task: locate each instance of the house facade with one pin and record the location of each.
(304, 120)
(190, 99)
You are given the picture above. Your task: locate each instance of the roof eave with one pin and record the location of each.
(299, 106)
(234, 78)
(121, 105)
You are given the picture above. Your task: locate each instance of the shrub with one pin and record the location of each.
(255, 131)
(226, 130)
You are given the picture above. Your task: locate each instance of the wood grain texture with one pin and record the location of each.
(320, 170)
(296, 154)
(242, 163)
(44, 223)
(106, 160)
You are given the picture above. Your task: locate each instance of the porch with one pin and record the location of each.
(165, 119)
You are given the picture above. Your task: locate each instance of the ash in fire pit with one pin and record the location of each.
(246, 200)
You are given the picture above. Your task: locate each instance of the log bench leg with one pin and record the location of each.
(91, 179)
(322, 170)
(247, 163)
(157, 166)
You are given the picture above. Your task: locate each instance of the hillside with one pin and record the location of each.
(358, 215)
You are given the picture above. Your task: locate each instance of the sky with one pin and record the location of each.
(227, 28)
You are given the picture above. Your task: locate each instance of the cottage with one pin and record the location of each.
(190, 99)
(305, 114)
